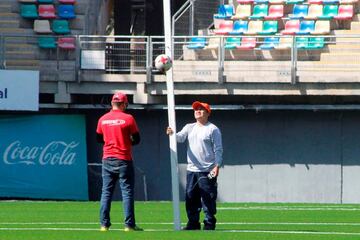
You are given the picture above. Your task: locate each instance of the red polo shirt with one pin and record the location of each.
(117, 127)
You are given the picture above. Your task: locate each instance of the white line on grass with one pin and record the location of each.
(290, 208)
(169, 230)
(170, 223)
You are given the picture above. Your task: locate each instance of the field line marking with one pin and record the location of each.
(289, 208)
(169, 230)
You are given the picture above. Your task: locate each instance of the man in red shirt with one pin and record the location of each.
(118, 131)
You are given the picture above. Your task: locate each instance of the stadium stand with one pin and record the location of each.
(66, 11)
(47, 11)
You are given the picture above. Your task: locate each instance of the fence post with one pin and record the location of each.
(293, 61)
(149, 56)
(221, 58)
(77, 59)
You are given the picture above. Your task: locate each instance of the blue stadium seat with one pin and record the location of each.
(66, 11)
(269, 43)
(197, 43)
(224, 11)
(306, 27)
(239, 27)
(299, 11)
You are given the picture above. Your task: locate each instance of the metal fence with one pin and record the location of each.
(290, 57)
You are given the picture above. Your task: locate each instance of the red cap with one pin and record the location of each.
(119, 97)
(198, 104)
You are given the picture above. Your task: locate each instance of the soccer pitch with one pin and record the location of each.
(38, 220)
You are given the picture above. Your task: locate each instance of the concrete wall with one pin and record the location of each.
(269, 156)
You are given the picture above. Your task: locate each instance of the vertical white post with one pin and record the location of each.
(171, 117)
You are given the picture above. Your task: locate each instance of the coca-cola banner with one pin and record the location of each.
(43, 157)
(19, 90)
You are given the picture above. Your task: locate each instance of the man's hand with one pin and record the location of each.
(215, 171)
(169, 131)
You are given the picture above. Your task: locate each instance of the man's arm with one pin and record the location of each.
(135, 138)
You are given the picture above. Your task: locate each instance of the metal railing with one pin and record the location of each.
(135, 55)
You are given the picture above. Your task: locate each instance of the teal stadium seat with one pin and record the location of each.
(232, 43)
(45, 1)
(269, 28)
(60, 26)
(260, 11)
(329, 11)
(28, 11)
(47, 42)
(316, 43)
(302, 42)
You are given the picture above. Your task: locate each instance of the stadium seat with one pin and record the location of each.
(299, 11)
(315, 11)
(60, 26)
(294, 1)
(239, 27)
(45, 1)
(46, 42)
(284, 43)
(275, 12)
(197, 43)
(348, 1)
(42, 26)
(259, 11)
(261, 1)
(291, 27)
(269, 43)
(277, 1)
(314, 1)
(330, 1)
(214, 43)
(243, 11)
(254, 27)
(322, 27)
(67, 43)
(232, 42)
(27, 1)
(247, 43)
(225, 11)
(47, 11)
(66, 11)
(269, 28)
(316, 43)
(306, 27)
(301, 42)
(329, 12)
(28, 11)
(245, 1)
(67, 1)
(345, 12)
(225, 27)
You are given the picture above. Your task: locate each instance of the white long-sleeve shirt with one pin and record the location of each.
(204, 149)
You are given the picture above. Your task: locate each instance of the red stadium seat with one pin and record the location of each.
(47, 11)
(247, 43)
(291, 27)
(224, 28)
(67, 43)
(346, 12)
(275, 12)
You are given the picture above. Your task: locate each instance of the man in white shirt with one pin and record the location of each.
(204, 157)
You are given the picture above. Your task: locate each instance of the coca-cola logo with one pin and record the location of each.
(54, 153)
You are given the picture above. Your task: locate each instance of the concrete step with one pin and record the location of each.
(5, 8)
(9, 23)
(9, 16)
(24, 54)
(21, 47)
(344, 48)
(341, 57)
(355, 26)
(22, 64)
(16, 31)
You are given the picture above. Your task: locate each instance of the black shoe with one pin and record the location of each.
(209, 227)
(195, 226)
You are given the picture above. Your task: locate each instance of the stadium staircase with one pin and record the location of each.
(22, 50)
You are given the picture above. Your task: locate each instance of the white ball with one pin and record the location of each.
(163, 63)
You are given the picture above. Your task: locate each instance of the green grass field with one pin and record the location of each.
(27, 220)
